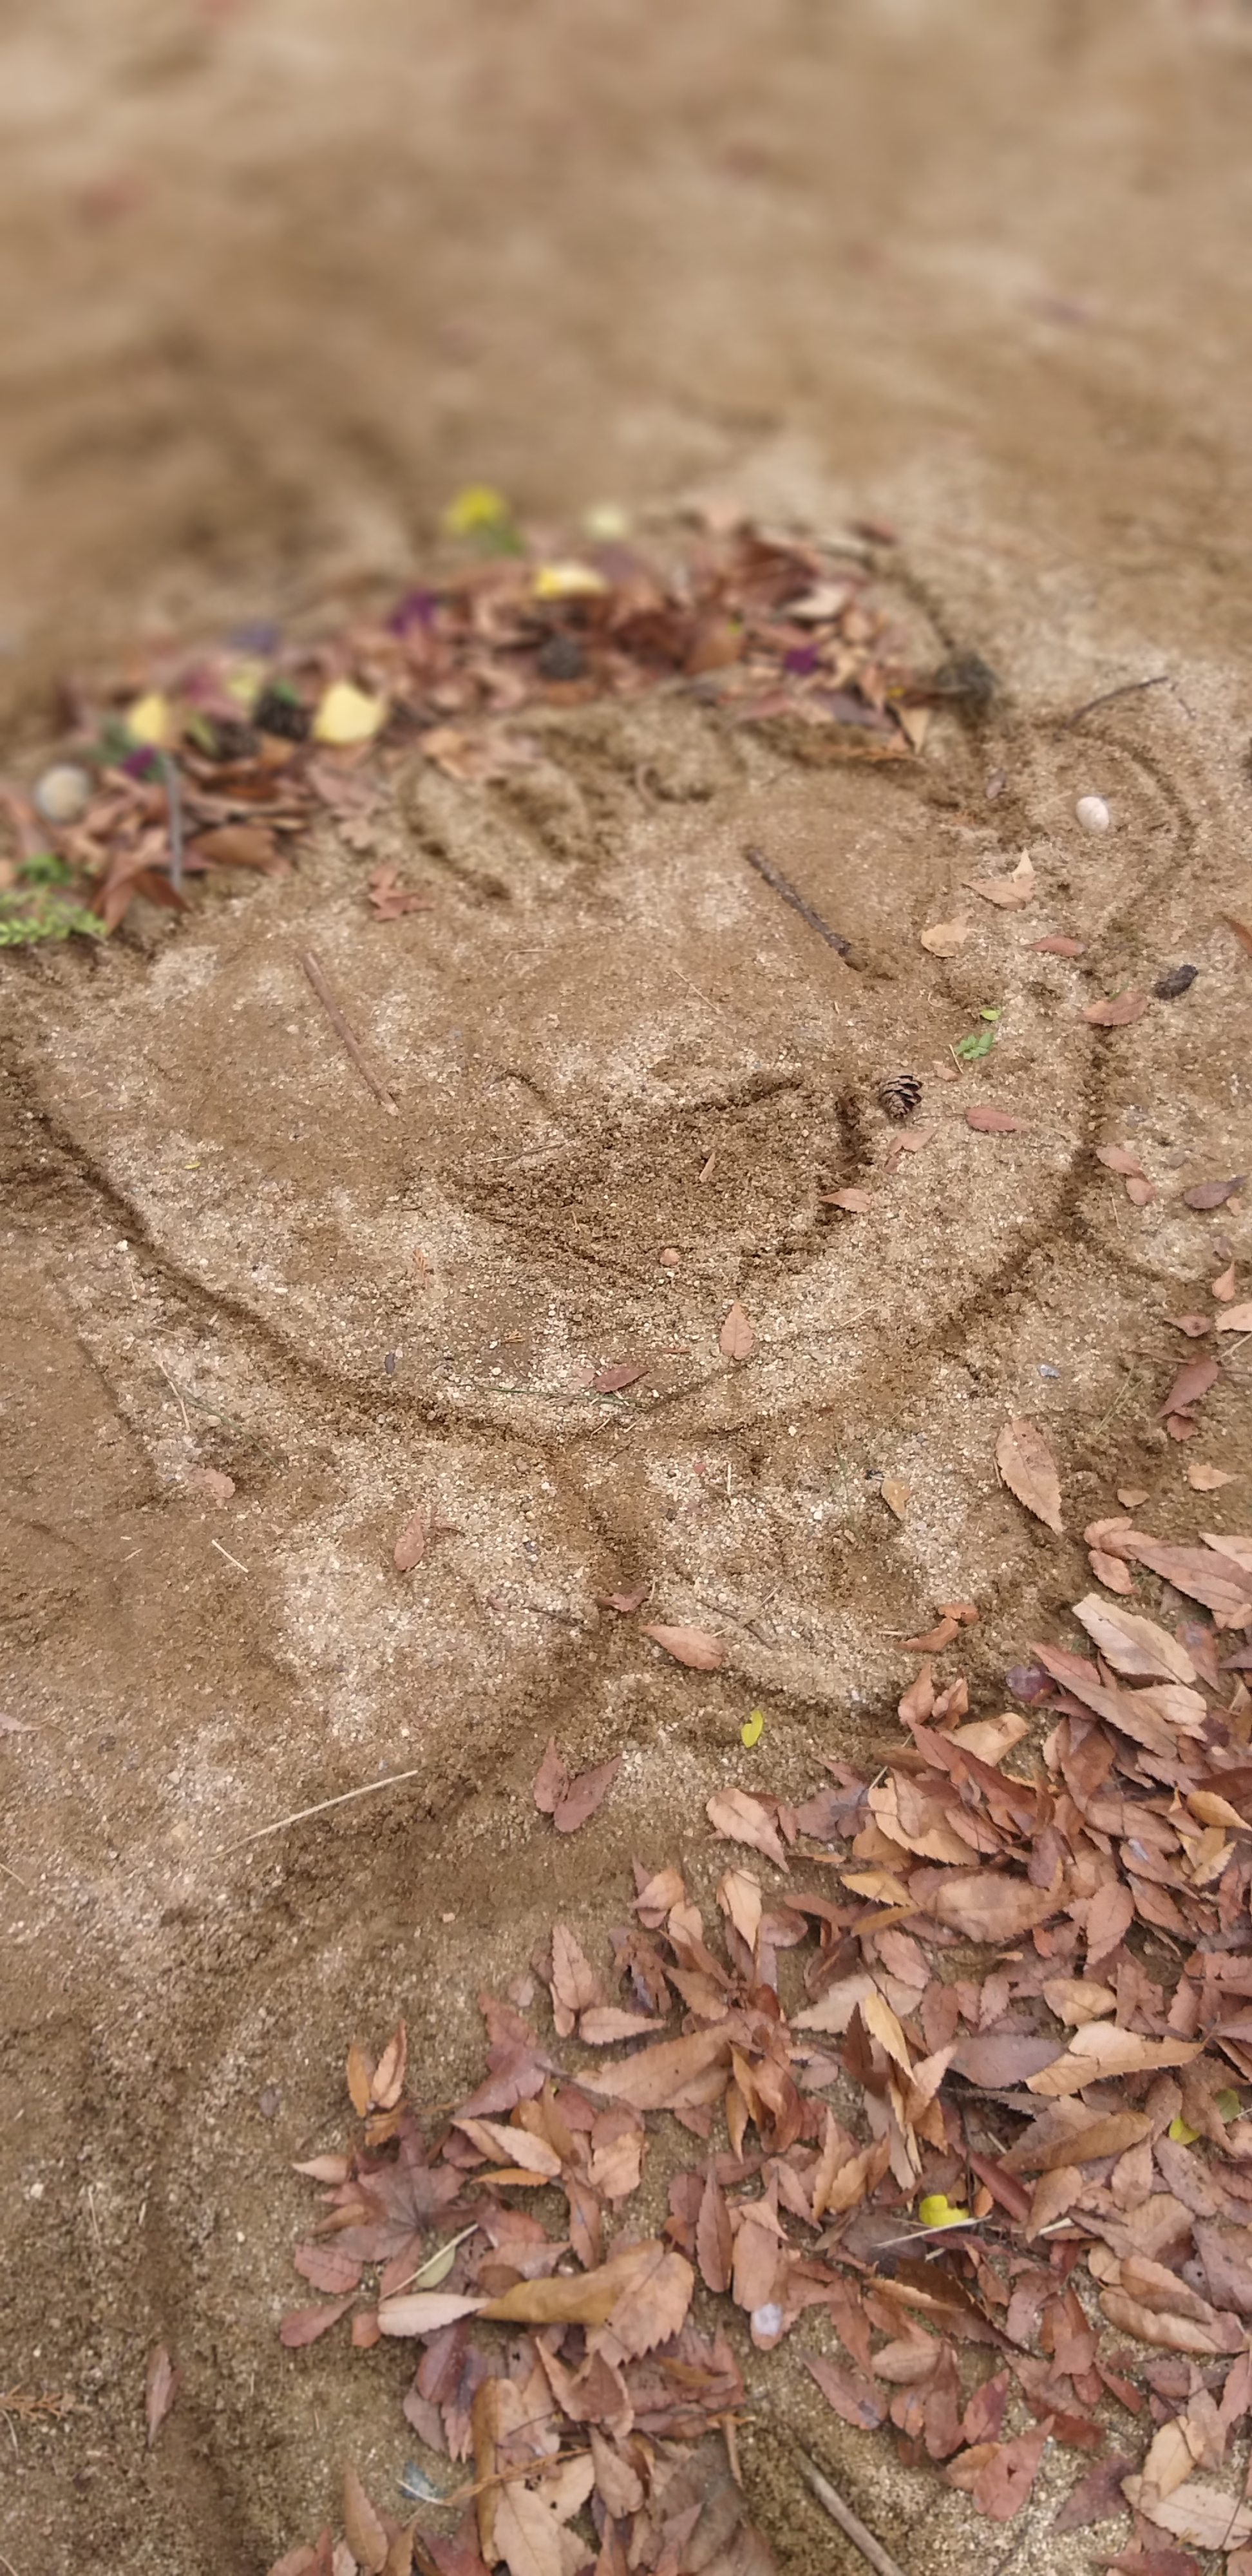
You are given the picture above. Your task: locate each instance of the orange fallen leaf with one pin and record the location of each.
(987, 1121)
(1011, 893)
(1118, 1012)
(1029, 1469)
(160, 2391)
(736, 1340)
(944, 938)
(693, 1646)
(741, 1818)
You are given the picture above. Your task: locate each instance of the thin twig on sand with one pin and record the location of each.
(302, 1814)
(342, 1029)
(790, 894)
(850, 2523)
(1128, 689)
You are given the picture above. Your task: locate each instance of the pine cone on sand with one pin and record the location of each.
(900, 1094)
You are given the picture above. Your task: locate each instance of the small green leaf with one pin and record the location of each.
(1182, 2132)
(979, 1043)
(1228, 2103)
(45, 868)
(751, 1730)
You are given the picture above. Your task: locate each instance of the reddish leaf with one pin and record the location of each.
(714, 2243)
(693, 1646)
(1213, 1194)
(1117, 1158)
(412, 1543)
(741, 1818)
(327, 2267)
(855, 1201)
(551, 1781)
(853, 2396)
(1059, 946)
(624, 1602)
(622, 1373)
(160, 2391)
(584, 1795)
(736, 1340)
(1003, 2485)
(1114, 1014)
(1029, 1470)
(1193, 1381)
(304, 2325)
(987, 1121)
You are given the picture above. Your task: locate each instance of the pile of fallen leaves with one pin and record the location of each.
(982, 2133)
(222, 758)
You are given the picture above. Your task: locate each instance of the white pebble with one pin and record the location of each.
(1093, 813)
(63, 793)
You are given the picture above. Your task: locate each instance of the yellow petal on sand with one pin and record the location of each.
(751, 1730)
(937, 2211)
(568, 581)
(475, 510)
(347, 715)
(151, 720)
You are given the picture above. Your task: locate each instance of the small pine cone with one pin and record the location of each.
(900, 1095)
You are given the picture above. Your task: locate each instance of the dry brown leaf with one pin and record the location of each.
(1223, 1287)
(214, 1482)
(1058, 946)
(1204, 1479)
(736, 1340)
(1118, 1158)
(413, 1541)
(857, 1202)
(1206, 2517)
(239, 845)
(683, 2071)
(1220, 1583)
(944, 938)
(551, 1781)
(575, 1985)
(852, 2395)
(1117, 1012)
(387, 2083)
(988, 1121)
(989, 1907)
(301, 2326)
(1078, 1999)
(360, 2079)
(581, 1799)
(1109, 1917)
(1029, 1470)
(1213, 1194)
(524, 2533)
(363, 2530)
(741, 1818)
(990, 1738)
(620, 1374)
(896, 1495)
(160, 2390)
(1239, 1320)
(1135, 1647)
(1011, 893)
(739, 1896)
(1101, 2049)
(714, 2241)
(882, 2025)
(693, 1646)
(605, 2024)
(1003, 2485)
(1055, 2192)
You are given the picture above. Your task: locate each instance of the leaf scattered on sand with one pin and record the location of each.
(1116, 1011)
(160, 2391)
(736, 1340)
(693, 1646)
(1029, 1469)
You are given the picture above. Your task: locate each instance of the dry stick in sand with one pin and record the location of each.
(342, 1029)
(302, 1814)
(1128, 689)
(849, 2522)
(782, 885)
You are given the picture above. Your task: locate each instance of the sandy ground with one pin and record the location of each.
(279, 277)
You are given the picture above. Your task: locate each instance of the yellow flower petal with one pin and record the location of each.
(937, 2211)
(150, 720)
(568, 581)
(475, 510)
(751, 1729)
(346, 714)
